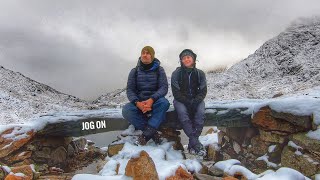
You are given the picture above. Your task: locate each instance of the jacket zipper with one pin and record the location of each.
(189, 84)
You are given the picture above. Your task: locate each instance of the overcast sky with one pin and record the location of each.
(86, 48)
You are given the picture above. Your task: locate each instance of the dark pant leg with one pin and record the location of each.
(134, 115)
(199, 118)
(159, 110)
(185, 121)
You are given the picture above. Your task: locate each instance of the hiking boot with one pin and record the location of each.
(197, 150)
(141, 140)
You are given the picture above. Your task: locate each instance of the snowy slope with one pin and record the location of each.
(284, 64)
(22, 98)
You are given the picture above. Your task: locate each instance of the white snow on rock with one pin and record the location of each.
(314, 134)
(303, 103)
(97, 177)
(131, 131)
(272, 148)
(244, 171)
(222, 165)
(166, 159)
(292, 144)
(284, 174)
(265, 158)
(233, 166)
(210, 139)
(298, 148)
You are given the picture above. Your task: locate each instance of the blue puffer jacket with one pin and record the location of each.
(144, 84)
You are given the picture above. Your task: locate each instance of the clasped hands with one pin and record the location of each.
(146, 105)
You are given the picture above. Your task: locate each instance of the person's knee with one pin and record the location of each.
(179, 107)
(183, 116)
(127, 109)
(163, 103)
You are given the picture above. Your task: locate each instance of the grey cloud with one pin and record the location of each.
(79, 47)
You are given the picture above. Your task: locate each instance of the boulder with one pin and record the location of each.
(3, 173)
(215, 172)
(230, 178)
(264, 120)
(8, 145)
(54, 141)
(58, 157)
(42, 155)
(305, 142)
(305, 163)
(26, 170)
(269, 136)
(18, 157)
(181, 174)
(199, 176)
(241, 134)
(113, 149)
(258, 147)
(141, 168)
(172, 135)
(12, 176)
(213, 154)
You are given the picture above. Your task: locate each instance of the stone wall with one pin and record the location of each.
(52, 155)
(275, 140)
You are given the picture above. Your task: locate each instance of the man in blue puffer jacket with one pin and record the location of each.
(146, 89)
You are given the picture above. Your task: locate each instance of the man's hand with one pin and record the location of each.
(147, 105)
(146, 109)
(149, 102)
(140, 105)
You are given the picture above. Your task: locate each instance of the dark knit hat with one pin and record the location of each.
(188, 52)
(150, 50)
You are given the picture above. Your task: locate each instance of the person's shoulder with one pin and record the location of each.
(176, 71)
(201, 72)
(133, 70)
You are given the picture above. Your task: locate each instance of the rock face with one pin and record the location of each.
(172, 134)
(50, 155)
(269, 146)
(141, 168)
(8, 145)
(26, 170)
(304, 163)
(181, 174)
(265, 120)
(305, 142)
(113, 149)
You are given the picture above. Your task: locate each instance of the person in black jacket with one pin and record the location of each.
(146, 89)
(189, 88)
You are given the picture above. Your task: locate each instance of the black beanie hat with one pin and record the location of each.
(188, 52)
